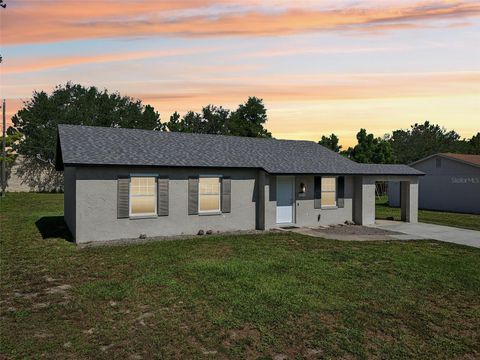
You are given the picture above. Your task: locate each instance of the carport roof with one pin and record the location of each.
(101, 146)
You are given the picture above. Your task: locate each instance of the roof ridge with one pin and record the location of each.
(190, 134)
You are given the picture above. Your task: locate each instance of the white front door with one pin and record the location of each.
(285, 189)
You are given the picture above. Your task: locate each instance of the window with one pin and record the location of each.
(209, 194)
(329, 191)
(143, 196)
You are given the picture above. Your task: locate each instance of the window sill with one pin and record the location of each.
(329, 207)
(140, 217)
(213, 213)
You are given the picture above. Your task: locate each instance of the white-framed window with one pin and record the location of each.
(209, 194)
(329, 191)
(143, 196)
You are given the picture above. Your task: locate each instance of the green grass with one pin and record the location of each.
(255, 296)
(466, 221)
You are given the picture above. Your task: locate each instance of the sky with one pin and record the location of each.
(321, 67)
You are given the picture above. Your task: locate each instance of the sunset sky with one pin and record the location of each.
(320, 66)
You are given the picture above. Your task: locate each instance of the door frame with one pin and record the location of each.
(292, 179)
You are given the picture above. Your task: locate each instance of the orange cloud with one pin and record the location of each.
(31, 65)
(323, 87)
(67, 20)
(310, 106)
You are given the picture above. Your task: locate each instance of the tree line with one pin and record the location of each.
(34, 126)
(404, 146)
(75, 104)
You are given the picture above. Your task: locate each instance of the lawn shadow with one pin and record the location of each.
(51, 227)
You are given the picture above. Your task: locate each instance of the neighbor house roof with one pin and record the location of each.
(87, 145)
(469, 159)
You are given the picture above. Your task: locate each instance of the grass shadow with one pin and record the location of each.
(51, 227)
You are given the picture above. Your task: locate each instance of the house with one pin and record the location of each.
(121, 183)
(451, 183)
(27, 174)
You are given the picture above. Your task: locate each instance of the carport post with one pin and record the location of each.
(364, 200)
(409, 200)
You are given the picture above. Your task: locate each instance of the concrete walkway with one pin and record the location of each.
(430, 231)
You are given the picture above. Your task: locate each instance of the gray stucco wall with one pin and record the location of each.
(69, 199)
(91, 203)
(409, 201)
(304, 212)
(307, 215)
(393, 194)
(452, 187)
(364, 191)
(96, 205)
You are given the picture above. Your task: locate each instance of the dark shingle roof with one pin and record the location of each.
(87, 145)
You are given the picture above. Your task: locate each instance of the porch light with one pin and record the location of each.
(303, 188)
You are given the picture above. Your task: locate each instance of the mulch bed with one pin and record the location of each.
(354, 230)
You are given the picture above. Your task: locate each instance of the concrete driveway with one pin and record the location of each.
(430, 231)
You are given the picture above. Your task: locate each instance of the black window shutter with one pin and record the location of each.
(123, 194)
(193, 196)
(317, 202)
(162, 196)
(226, 194)
(340, 191)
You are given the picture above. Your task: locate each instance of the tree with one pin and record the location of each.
(331, 142)
(247, 120)
(216, 120)
(11, 138)
(370, 150)
(212, 120)
(422, 140)
(474, 144)
(79, 105)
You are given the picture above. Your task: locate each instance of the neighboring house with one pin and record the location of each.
(121, 183)
(451, 183)
(27, 174)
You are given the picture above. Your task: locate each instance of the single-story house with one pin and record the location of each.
(451, 183)
(122, 183)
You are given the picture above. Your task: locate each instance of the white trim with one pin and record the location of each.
(155, 196)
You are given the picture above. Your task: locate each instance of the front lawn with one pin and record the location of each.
(466, 221)
(258, 296)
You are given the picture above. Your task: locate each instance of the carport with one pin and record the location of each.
(364, 197)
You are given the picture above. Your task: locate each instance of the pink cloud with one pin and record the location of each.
(34, 22)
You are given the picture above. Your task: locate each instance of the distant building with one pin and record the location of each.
(451, 183)
(28, 174)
